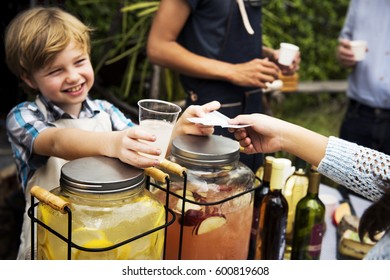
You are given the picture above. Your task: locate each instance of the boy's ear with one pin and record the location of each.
(28, 81)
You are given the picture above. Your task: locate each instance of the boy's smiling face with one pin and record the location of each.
(67, 80)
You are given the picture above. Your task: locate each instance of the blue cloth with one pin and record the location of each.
(369, 82)
(25, 121)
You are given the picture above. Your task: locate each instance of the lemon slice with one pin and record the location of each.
(44, 216)
(210, 224)
(161, 217)
(92, 238)
(103, 255)
(83, 235)
(124, 251)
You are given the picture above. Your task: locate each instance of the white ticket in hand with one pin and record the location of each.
(216, 118)
(275, 85)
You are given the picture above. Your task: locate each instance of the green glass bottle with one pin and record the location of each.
(309, 224)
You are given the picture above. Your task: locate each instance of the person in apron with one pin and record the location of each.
(216, 46)
(49, 50)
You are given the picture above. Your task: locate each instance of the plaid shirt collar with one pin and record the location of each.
(88, 110)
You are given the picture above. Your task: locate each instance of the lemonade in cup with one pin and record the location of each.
(158, 117)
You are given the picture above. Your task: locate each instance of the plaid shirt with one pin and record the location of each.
(25, 121)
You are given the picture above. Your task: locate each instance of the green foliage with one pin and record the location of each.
(312, 25)
(320, 112)
(122, 68)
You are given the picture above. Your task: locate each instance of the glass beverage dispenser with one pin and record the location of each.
(109, 205)
(213, 202)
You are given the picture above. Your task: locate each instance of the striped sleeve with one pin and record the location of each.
(24, 123)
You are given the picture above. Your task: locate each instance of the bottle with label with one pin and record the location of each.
(273, 214)
(309, 222)
(259, 195)
(294, 190)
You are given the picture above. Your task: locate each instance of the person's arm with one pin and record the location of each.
(344, 53)
(268, 135)
(72, 143)
(164, 50)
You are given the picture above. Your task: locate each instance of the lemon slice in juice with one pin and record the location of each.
(92, 239)
(44, 216)
(94, 244)
(82, 235)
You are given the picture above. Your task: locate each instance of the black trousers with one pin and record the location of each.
(367, 126)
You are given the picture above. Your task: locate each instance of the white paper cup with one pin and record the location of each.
(358, 48)
(158, 117)
(287, 53)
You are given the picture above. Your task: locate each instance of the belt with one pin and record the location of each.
(359, 107)
(194, 97)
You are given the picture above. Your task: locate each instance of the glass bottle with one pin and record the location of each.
(309, 222)
(294, 190)
(273, 214)
(259, 195)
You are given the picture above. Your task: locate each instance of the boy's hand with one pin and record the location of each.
(126, 147)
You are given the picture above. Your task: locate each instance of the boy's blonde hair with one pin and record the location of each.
(35, 36)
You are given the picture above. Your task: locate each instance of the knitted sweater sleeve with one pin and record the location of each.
(363, 170)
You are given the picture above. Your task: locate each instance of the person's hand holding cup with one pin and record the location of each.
(287, 54)
(359, 48)
(158, 118)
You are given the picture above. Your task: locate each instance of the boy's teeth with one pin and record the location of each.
(74, 88)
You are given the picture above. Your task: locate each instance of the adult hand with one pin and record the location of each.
(263, 136)
(183, 126)
(294, 67)
(254, 73)
(344, 53)
(267, 135)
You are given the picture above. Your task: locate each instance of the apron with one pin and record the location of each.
(238, 46)
(48, 176)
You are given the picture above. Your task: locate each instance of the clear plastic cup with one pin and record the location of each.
(158, 117)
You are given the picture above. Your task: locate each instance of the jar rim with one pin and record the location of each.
(211, 149)
(100, 175)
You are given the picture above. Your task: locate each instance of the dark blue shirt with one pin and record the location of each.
(215, 29)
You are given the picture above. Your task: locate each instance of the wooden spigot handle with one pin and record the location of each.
(173, 167)
(157, 174)
(49, 198)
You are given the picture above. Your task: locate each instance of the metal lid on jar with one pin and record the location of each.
(100, 175)
(212, 149)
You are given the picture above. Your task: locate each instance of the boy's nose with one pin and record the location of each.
(73, 76)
